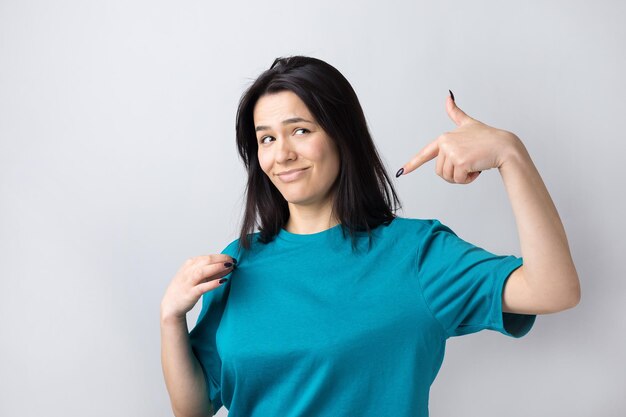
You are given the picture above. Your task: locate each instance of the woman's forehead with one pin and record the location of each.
(275, 108)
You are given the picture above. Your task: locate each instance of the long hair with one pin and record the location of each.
(364, 197)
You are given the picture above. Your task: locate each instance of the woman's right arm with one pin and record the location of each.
(184, 377)
(183, 374)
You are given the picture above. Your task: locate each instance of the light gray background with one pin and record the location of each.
(118, 162)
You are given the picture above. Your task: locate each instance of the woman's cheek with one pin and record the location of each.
(264, 163)
(312, 151)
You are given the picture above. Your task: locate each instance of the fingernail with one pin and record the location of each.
(234, 260)
(400, 171)
(451, 95)
(227, 264)
(223, 280)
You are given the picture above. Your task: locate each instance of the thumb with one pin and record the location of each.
(457, 115)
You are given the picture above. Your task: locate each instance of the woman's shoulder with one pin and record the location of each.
(418, 227)
(410, 223)
(235, 247)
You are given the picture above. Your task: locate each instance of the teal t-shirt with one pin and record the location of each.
(305, 327)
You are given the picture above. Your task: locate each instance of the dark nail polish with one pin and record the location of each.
(223, 280)
(400, 171)
(227, 264)
(451, 95)
(234, 260)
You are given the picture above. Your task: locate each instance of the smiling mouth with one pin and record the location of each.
(292, 175)
(291, 171)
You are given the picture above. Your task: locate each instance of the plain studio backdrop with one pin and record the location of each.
(118, 162)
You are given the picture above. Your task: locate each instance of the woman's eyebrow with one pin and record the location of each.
(285, 122)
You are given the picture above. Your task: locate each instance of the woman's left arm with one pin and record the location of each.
(547, 282)
(548, 270)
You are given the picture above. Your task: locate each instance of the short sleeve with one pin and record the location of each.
(462, 284)
(203, 337)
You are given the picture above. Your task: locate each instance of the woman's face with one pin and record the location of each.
(289, 138)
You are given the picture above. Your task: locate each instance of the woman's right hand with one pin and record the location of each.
(197, 276)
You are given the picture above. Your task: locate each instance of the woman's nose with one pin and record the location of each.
(284, 150)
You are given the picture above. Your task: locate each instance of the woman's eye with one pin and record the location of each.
(262, 140)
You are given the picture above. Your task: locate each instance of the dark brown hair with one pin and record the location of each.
(364, 197)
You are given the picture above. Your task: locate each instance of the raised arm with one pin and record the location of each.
(547, 282)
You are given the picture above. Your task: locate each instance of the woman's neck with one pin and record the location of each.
(304, 220)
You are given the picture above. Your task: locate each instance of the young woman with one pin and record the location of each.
(336, 306)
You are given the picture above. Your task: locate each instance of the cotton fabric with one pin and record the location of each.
(306, 327)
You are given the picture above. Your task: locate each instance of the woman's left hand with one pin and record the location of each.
(467, 150)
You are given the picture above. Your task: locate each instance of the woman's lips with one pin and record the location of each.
(292, 176)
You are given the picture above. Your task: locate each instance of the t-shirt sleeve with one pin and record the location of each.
(203, 336)
(462, 284)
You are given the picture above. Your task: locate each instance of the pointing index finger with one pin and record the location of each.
(427, 153)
